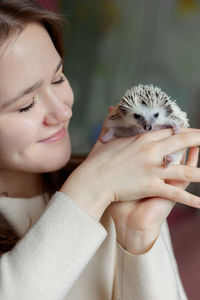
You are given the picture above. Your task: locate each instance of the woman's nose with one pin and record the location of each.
(57, 112)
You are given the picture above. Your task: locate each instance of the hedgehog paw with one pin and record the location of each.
(106, 137)
(176, 129)
(167, 160)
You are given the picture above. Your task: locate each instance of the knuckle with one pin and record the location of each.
(146, 144)
(151, 151)
(190, 200)
(185, 138)
(153, 185)
(187, 173)
(176, 194)
(194, 201)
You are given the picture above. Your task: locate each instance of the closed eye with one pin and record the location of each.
(27, 108)
(62, 78)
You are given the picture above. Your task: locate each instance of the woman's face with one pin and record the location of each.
(35, 104)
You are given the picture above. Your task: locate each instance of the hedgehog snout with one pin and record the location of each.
(147, 127)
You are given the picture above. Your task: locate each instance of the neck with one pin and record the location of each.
(19, 184)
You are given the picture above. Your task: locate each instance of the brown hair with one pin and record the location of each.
(14, 16)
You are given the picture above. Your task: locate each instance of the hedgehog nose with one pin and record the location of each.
(147, 127)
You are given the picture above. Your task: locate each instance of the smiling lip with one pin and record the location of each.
(55, 137)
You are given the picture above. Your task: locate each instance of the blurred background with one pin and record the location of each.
(112, 45)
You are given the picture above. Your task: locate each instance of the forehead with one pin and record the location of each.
(146, 110)
(25, 58)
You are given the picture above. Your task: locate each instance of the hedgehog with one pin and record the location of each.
(145, 108)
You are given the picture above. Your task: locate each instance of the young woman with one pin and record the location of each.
(88, 238)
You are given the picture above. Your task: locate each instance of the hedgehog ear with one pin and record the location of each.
(114, 114)
(169, 109)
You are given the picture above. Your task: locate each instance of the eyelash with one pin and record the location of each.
(27, 108)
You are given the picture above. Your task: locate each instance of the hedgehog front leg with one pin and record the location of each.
(176, 128)
(107, 137)
(167, 160)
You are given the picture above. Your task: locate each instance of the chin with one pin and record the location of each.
(55, 159)
(55, 164)
(54, 167)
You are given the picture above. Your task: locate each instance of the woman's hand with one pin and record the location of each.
(128, 169)
(138, 223)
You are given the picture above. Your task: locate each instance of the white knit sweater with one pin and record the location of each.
(68, 255)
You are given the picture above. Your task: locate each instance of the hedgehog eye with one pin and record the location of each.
(144, 103)
(136, 116)
(156, 115)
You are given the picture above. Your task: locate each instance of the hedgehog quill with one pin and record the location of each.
(145, 108)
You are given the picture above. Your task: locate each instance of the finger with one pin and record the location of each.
(192, 161)
(179, 142)
(193, 157)
(156, 135)
(164, 133)
(178, 195)
(152, 135)
(188, 130)
(145, 137)
(148, 136)
(187, 172)
(182, 173)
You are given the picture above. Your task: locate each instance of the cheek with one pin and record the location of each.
(17, 134)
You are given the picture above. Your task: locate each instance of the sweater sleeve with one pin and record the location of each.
(49, 258)
(150, 276)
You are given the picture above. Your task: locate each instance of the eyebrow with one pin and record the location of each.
(30, 89)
